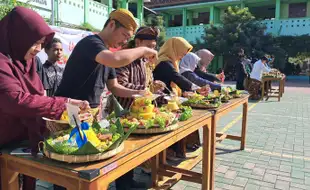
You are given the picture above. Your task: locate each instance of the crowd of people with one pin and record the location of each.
(31, 90)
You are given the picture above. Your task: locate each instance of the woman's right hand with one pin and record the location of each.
(158, 86)
(221, 76)
(82, 104)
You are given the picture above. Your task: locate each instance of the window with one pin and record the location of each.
(203, 18)
(297, 10)
(177, 20)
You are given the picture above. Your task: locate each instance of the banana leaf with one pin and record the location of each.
(122, 138)
(120, 128)
(87, 148)
(49, 147)
(118, 109)
(96, 127)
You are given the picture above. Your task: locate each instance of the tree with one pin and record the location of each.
(7, 5)
(155, 20)
(240, 30)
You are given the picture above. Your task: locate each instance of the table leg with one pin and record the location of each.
(270, 87)
(280, 91)
(282, 87)
(266, 88)
(206, 158)
(162, 160)
(213, 150)
(9, 178)
(263, 90)
(244, 125)
(154, 169)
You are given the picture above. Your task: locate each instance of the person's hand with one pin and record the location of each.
(188, 94)
(83, 116)
(221, 76)
(204, 90)
(142, 92)
(82, 104)
(150, 55)
(158, 86)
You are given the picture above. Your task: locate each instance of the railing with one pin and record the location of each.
(191, 33)
(282, 27)
(285, 27)
(98, 14)
(137, 21)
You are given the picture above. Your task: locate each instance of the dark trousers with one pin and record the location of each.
(124, 182)
(239, 84)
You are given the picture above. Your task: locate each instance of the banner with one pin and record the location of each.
(69, 38)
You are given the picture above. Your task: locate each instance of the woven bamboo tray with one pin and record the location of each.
(153, 130)
(56, 125)
(83, 158)
(199, 106)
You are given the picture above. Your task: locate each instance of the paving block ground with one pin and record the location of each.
(277, 154)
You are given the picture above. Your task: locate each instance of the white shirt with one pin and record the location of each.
(258, 70)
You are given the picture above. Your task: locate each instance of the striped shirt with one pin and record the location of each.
(132, 76)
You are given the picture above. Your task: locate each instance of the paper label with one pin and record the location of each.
(73, 114)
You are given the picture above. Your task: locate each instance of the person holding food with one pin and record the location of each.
(92, 65)
(22, 100)
(187, 67)
(256, 78)
(167, 70)
(201, 70)
(138, 75)
(167, 66)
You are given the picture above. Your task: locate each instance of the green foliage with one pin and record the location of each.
(88, 27)
(186, 113)
(240, 30)
(300, 58)
(7, 5)
(158, 21)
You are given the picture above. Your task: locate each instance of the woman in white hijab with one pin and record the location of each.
(187, 67)
(206, 57)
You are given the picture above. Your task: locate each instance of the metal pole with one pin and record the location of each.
(53, 13)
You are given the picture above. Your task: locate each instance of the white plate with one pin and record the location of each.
(181, 99)
(141, 96)
(56, 121)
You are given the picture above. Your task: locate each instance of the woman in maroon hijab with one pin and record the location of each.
(22, 102)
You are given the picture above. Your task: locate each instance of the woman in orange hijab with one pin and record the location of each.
(167, 66)
(167, 71)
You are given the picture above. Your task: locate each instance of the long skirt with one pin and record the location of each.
(254, 89)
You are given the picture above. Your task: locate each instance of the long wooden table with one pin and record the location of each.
(218, 113)
(161, 177)
(98, 175)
